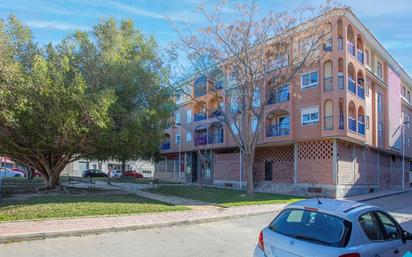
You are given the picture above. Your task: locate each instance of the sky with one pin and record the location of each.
(51, 20)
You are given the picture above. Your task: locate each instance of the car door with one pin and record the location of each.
(391, 231)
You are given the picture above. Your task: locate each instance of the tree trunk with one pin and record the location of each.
(249, 174)
(123, 166)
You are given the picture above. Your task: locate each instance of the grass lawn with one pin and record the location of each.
(65, 206)
(225, 197)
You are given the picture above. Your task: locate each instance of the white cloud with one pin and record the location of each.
(54, 25)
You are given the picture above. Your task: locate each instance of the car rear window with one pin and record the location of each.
(313, 226)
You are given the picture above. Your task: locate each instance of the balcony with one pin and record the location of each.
(276, 130)
(351, 48)
(215, 113)
(216, 139)
(359, 55)
(351, 86)
(361, 128)
(328, 123)
(165, 146)
(328, 84)
(361, 92)
(200, 140)
(352, 124)
(279, 97)
(341, 82)
(200, 116)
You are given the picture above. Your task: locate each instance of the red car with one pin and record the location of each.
(132, 173)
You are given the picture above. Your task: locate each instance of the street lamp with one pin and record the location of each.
(402, 126)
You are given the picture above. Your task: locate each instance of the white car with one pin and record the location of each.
(333, 228)
(116, 173)
(5, 172)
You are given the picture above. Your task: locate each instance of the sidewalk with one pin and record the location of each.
(25, 230)
(376, 195)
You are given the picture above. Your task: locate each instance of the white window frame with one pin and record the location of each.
(309, 110)
(311, 84)
(189, 116)
(188, 136)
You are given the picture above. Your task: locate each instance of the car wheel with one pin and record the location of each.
(17, 176)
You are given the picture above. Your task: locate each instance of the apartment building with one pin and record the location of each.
(335, 130)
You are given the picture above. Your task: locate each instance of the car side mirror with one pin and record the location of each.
(406, 235)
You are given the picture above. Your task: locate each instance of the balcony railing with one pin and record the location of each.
(359, 55)
(361, 128)
(351, 86)
(215, 113)
(200, 140)
(340, 43)
(361, 92)
(352, 124)
(165, 146)
(278, 98)
(216, 139)
(276, 130)
(328, 122)
(328, 84)
(200, 116)
(341, 82)
(351, 48)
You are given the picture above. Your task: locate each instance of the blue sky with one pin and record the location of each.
(51, 20)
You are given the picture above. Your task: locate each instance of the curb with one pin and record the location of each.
(83, 232)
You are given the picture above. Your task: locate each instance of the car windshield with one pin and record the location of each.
(313, 226)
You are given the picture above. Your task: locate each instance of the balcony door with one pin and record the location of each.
(283, 123)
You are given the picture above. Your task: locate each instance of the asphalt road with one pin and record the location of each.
(229, 238)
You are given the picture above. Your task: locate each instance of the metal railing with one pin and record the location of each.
(359, 55)
(216, 139)
(166, 146)
(328, 125)
(352, 124)
(351, 48)
(328, 84)
(200, 116)
(278, 97)
(200, 140)
(361, 92)
(351, 86)
(278, 130)
(361, 128)
(215, 113)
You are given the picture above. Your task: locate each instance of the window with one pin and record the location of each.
(367, 121)
(177, 138)
(177, 117)
(379, 71)
(234, 128)
(309, 80)
(390, 229)
(370, 226)
(188, 136)
(256, 98)
(404, 91)
(409, 97)
(379, 102)
(409, 142)
(310, 115)
(188, 116)
(254, 124)
(380, 129)
(234, 103)
(367, 87)
(200, 86)
(312, 226)
(367, 57)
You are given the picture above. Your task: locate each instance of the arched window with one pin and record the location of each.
(200, 86)
(352, 116)
(351, 78)
(341, 114)
(328, 114)
(341, 78)
(361, 85)
(361, 121)
(327, 76)
(359, 49)
(340, 34)
(351, 40)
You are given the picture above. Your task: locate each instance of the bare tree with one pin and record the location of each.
(244, 57)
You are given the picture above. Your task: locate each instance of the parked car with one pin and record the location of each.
(5, 172)
(115, 173)
(328, 227)
(93, 173)
(20, 170)
(132, 173)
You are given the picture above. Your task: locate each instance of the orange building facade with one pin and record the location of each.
(335, 130)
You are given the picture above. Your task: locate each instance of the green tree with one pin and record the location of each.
(97, 94)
